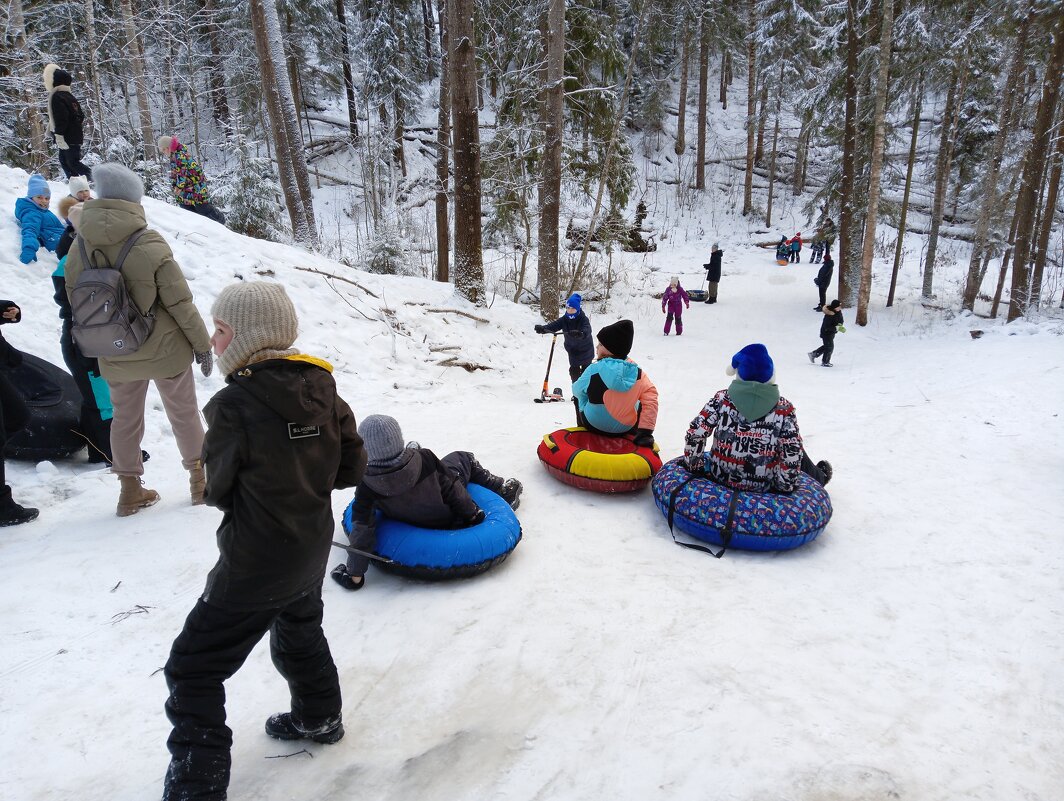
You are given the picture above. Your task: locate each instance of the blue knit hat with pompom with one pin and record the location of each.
(753, 363)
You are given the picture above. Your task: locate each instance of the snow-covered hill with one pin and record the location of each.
(913, 651)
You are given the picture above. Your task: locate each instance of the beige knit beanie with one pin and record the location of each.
(263, 320)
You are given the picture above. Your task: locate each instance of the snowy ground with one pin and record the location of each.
(913, 651)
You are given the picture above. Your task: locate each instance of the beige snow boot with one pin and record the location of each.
(134, 496)
(197, 482)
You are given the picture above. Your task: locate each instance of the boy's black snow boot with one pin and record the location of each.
(511, 492)
(485, 478)
(12, 514)
(283, 727)
(825, 467)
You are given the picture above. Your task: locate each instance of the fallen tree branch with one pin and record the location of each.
(338, 278)
(448, 311)
(469, 367)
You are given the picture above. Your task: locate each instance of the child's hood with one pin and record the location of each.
(619, 374)
(299, 391)
(24, 206)
(395, 479)
(754, 399)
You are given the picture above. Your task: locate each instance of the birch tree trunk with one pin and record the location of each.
(1011, 92)
(944, 164)
(468, 256)
(703, 99)
(284, 124)
(917, 102)
(876, 168)
(847, 284)
(1020, 297)
(751, 107)
(681, 116)
(133, 49)
(349, 81)
(443, 155)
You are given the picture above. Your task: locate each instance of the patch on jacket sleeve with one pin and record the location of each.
(301, 431)
(596, 389)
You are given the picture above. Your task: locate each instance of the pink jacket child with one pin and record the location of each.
(672, 304)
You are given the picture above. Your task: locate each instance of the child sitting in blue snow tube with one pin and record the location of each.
(412, 485)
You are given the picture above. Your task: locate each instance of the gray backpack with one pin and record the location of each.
(107, 322)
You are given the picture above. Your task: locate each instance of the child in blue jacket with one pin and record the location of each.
(576, 327)
(39, 225)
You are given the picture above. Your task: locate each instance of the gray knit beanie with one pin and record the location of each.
(263, 320)
(383, 439)
(117, 182)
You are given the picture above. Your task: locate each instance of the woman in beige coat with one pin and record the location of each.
(155, 283)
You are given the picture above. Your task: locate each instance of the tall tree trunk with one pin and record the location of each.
(1021, 298)
(443, 154)
(865, 289)
(703, 99)
(349, 81)
(468, 257)
(38, 150)
(681, 116)
(762, 120)
(426, 21)
(848, 279)
(551, 176)
(944, 164)
(1011, 91)
(1048, 212)
(215, 71)
(94, 68)
(284, 124)
(400, 111)
(917, 102)
(801, 153)
(1003, 270)
(132, 47)
(775, 143)
(751, 107)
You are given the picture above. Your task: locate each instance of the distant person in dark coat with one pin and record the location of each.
(831, 325)
(579, 344)
(279, 441)
(65, 120)
(410, 484)
(13, 416)
(823, 280)
(713, 272)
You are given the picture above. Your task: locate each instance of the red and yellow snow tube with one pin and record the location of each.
(595, 462)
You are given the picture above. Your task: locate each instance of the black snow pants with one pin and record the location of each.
(13, 416)
(207, 210)
(826, 349)
(212, 646)
(70, 161)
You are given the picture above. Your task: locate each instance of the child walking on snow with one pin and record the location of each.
(409, 483)
(829, 326)
(672, 305)
(576, 328)
(280, 440)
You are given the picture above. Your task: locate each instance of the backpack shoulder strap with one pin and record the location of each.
(87, 262)
(128, 246)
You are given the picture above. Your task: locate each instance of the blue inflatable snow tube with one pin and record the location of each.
(760, 521)
(434, 554)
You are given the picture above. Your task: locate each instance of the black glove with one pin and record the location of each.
(476, 519)
(644, 438)
(540, 329)
(206, 362)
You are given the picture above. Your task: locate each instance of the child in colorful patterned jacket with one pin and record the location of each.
(756, 444)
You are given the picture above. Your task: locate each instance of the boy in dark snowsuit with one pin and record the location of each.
(783, 250)
(823, 280)
(279, 441)
(576, 327)
(65, 120)
(409, 483)
(713, 272)
(13, 416)
(831, 324)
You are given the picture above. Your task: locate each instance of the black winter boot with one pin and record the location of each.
(478, 474)
(283, 726)
(12, 514)
(511, 492)
(825, 468)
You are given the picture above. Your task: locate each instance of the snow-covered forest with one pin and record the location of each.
(429, 180)
(366, 131)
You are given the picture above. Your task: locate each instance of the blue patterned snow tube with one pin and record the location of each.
(760, 521)
(434, 554)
